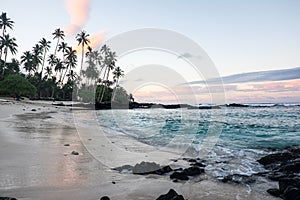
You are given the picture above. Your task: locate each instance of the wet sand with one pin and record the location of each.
(36, 164)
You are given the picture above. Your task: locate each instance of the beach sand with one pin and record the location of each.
(36, 164)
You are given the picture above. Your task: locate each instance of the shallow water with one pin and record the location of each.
(234, 137)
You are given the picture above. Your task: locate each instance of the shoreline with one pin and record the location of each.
(35, 164)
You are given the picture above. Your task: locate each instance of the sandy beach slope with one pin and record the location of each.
(36, 162)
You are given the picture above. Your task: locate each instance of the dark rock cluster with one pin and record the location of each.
(284, 167)
(196, 168)
(171, 195)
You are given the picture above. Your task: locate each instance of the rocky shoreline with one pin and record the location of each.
(284, 167)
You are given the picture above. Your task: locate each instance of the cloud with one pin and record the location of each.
(188, 55)
(79, 14)
(263, 76)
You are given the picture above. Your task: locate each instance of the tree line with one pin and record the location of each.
(52, 75)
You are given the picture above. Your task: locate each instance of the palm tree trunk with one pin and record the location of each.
(114, 93)
(65, 74)
(43, 63)
(4, 65)
(101, 90)
(56, 47)
(82, 55)
(105, 85)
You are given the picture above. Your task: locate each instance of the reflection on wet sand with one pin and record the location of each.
(40, 157)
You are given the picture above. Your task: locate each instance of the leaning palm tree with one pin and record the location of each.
(58, 34)
(7, 44)
(82, 39)
(45, 45)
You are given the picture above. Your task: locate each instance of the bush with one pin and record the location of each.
(16, 84)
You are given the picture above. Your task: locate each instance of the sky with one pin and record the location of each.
(238, 36)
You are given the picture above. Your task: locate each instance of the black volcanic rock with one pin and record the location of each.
(171, 195)
(7, 198)
(145, 168)
(274, 192)
(193, 171)
(105, 198)
(165, 169)
(275, 158)
(179, 176)
(292, 193)
(284, 167)
(284, 183)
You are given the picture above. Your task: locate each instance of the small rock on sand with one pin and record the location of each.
(105, 198)
(75, 153)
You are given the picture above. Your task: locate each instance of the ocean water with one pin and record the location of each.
(235, 136)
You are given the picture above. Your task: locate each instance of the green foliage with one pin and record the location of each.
(86, 94)
(120, 96)
(16, 84)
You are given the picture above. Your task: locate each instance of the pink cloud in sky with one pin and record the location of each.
(79, 14)
(273, 92)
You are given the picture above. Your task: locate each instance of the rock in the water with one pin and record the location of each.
(292, 193)
(180, 176)
(75, 153)
(274, 191)
(66, 145)
(276, 158)
(31, 110)
(291, 167)
(237, 178)
(284, 183)
(198, 164)
(105, 198)
(7, 198)
(193, 171)
(145, 168)
(171, 195)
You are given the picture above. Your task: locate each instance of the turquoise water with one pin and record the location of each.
(243, 134)
(250, 127)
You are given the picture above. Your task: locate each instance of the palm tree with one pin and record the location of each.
(4, 23)
(48, 72)
(63, 47)
(82, 39)
(71, 60)
(58, 34)
(59, 66)
(27, 58)
(72, 75)
(109, 61)
(37, 57)
(7, 43)
(117, 74)
(45, 45)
